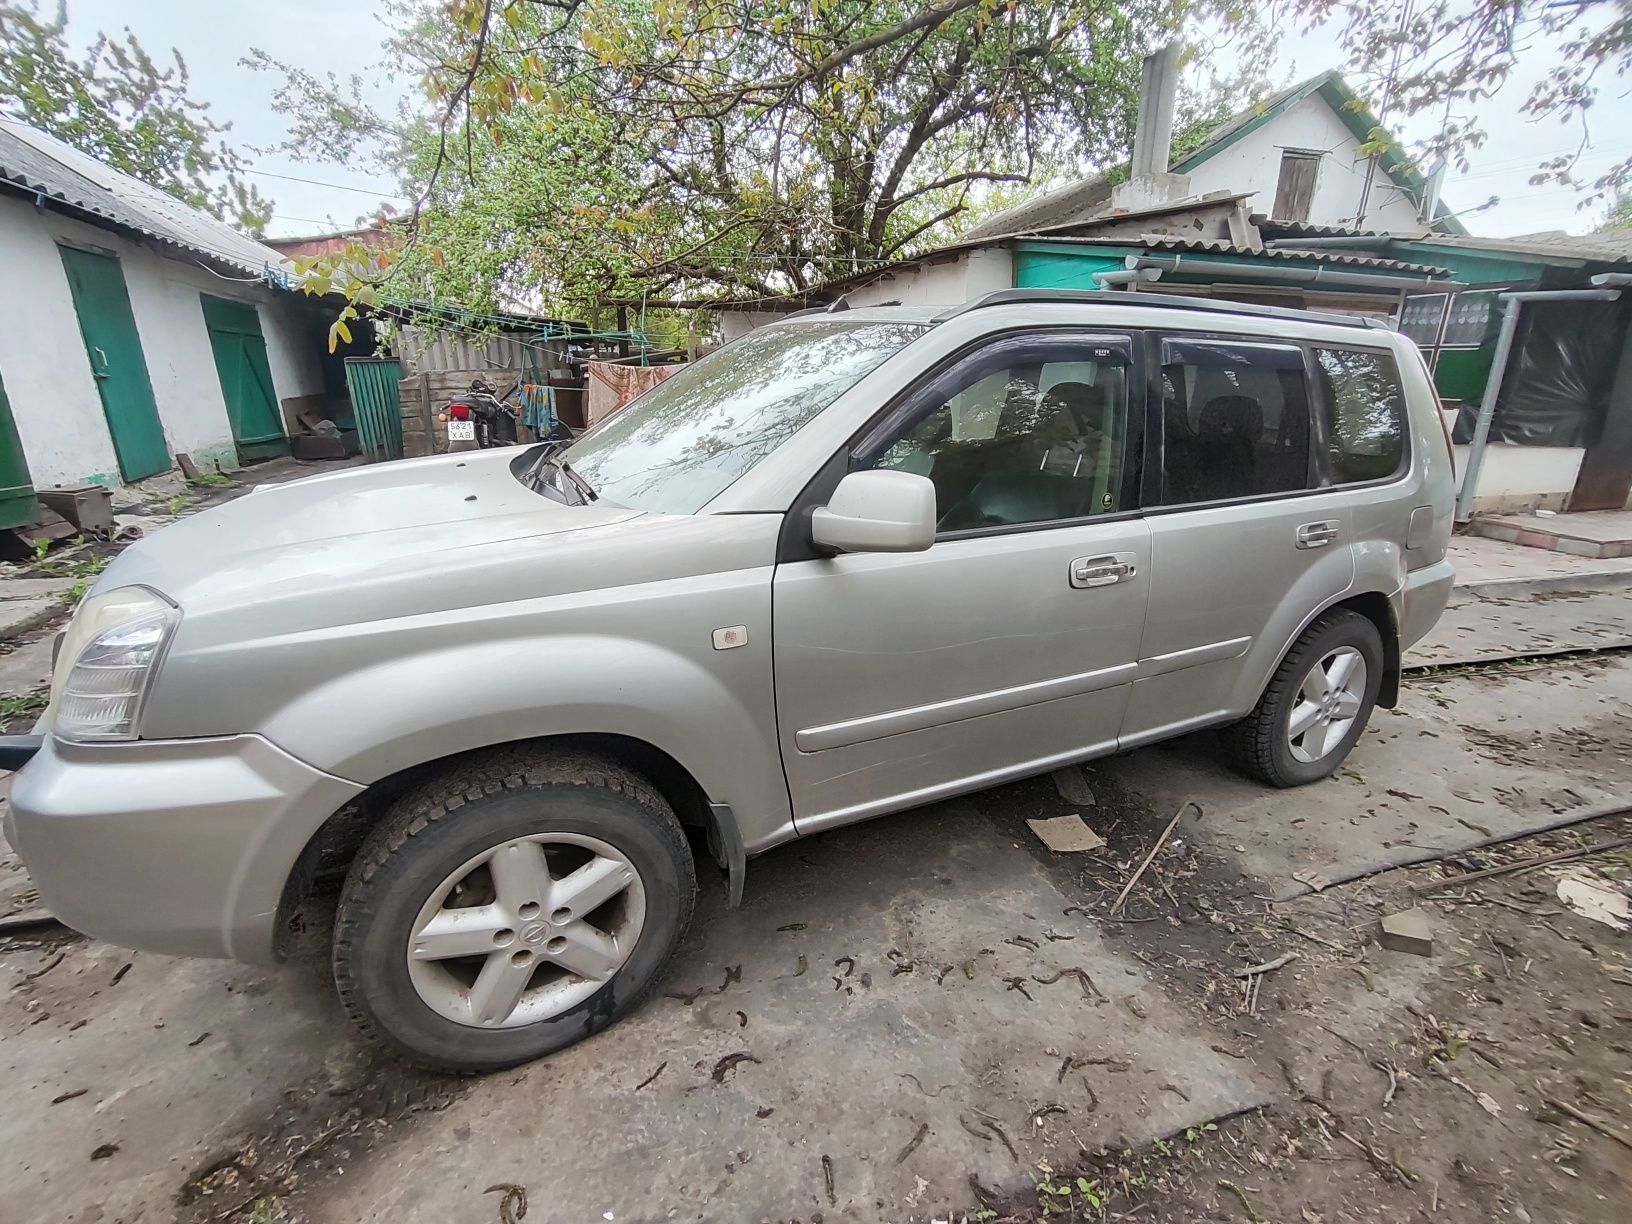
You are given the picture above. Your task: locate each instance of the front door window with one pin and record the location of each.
(1033, 431)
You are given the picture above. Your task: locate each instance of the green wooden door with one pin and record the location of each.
(16, 487)
(115, 350)
(246, 378)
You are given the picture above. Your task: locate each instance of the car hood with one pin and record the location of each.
(340, 529)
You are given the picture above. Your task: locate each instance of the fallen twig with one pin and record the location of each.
(1089, 990)
(827, 1176)
(1522, 865)
(1285, 958)
(45, 969)
(652, 1076)
(1245, 1202)
(1319, 939)
(1393, 1082)
(514, 1203)
(1116, 905)
(1043, 1111)
(1386, 1168)
(725, 1066)
(917, 1083)
(998, 1131)
(1601, 1125)
(913, 1145)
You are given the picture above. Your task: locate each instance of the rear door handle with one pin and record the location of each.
(1104, 570)
(1317, 535)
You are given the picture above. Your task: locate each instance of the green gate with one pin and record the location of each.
(376, 400)
(17, 506)
(246, 378)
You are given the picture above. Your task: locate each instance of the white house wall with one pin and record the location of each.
(942, 282)
(47, 374)
(1253, 163)
(1513, 478)
(43, 364)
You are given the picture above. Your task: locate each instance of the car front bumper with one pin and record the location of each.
(178, 846)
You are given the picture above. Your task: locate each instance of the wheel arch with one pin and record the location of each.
(1379, 610)
(328, 853)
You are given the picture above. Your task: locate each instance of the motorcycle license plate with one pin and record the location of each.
(461, 431)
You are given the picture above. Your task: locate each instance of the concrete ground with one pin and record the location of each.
(906, 1020)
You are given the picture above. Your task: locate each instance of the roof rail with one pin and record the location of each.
(1162, 301)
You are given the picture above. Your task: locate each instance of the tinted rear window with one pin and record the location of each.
(1235, 419)
(1365, 411)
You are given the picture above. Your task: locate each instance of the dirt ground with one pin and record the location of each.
(933, 1017)
(1349, 1083)
(1488, 1081)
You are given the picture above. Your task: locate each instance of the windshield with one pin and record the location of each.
(687, 439)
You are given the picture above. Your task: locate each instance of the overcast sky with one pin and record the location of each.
(322, 36)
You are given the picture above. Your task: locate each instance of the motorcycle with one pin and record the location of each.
(480, 419)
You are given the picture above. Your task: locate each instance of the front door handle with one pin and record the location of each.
(1317, 535)
(1104, 570)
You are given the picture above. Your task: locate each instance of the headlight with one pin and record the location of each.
(107, 662)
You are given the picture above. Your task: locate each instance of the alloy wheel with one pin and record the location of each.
(526, 930)
(1328, 702)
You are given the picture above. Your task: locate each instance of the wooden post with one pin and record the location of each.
(426, 414)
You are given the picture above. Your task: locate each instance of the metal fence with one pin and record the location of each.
(377, 404)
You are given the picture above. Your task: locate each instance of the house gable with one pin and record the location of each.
(1301, 117)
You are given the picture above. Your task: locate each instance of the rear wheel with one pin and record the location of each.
(518, 903)
(1315, 707)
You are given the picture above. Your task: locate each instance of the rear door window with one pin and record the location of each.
(1364, 408)
(1235, 419)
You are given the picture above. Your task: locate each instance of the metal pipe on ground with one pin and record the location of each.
(1511, 305)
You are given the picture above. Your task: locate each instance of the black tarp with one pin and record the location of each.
(1558, 382)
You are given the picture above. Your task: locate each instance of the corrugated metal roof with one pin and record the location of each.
(1272, 228)
(1076, 201)
(44, 165)
(1193, 246)
(1604, 246)
(1611, 247)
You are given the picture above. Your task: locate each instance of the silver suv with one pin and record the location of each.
(854, 562)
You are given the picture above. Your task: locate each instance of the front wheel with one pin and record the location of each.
(514, 905)
(1316, 705)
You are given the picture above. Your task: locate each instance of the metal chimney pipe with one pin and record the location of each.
(1153, 137)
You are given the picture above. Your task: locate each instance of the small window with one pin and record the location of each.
(1235, 419)
(1366, 414)
(1421, 318)
(1032, 433)
(1295, 189)
(1468, 321)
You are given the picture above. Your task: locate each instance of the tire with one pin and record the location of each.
(513, 801)
(1262, 746)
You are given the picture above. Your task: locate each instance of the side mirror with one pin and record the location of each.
(877, 511)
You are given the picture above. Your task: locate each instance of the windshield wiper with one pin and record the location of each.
(585, 489)
(575, 490)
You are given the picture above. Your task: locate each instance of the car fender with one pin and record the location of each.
(716, 720)
(1376, 567)
(1325, 582)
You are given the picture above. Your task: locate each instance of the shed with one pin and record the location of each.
(138, 328)
(1560, 427)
